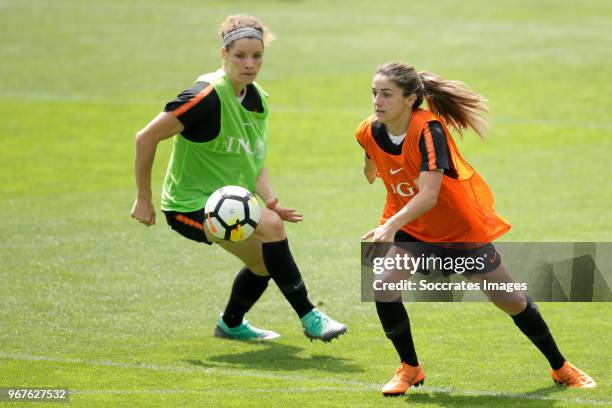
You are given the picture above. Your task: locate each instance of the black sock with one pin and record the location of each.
(532, 324)
(247, 289)
(282, 268)
(396, 324)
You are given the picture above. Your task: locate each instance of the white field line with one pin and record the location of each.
(342, 385)
(305, 390)
(180, 369)
(276, 390)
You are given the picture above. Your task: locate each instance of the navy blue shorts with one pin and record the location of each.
(188, 224)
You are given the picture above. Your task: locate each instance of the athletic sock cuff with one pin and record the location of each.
(531, 323)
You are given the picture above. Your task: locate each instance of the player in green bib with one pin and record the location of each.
(197, 169)
(220, 130)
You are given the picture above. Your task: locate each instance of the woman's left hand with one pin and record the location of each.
(286, 214)
(382, 233)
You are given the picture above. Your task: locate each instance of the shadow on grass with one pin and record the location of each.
(536, 398)
(281, 357)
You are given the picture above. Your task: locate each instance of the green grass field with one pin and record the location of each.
(123, 315)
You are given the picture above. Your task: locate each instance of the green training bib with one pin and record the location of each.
(235, 157)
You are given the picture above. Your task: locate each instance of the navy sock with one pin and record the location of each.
(532, 324)
(396, 324)
(247, 289)
(285, 273)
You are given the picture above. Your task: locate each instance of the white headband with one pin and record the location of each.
(241, 33)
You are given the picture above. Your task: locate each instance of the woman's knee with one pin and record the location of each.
(271, 228)
(387, 286)
(512, 308)
(259, 269)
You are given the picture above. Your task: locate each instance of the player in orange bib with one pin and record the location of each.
(435, 196)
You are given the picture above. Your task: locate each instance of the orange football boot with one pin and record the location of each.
(405, 376)
(572, 377)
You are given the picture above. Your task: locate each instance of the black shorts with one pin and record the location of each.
(459, 257)
(188, 224)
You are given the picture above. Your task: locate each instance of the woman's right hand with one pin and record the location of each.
(163, 126)
(144, 212)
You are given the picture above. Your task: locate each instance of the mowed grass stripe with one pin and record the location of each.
(180, 369)
(352, 386)
(302, 390)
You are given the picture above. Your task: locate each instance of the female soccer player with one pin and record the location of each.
(221, 128)
(434, 196)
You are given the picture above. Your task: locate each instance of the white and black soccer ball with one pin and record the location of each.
(232, 213)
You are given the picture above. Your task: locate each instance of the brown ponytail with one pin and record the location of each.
(452, 101)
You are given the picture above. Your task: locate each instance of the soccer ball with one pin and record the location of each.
(232, 213)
